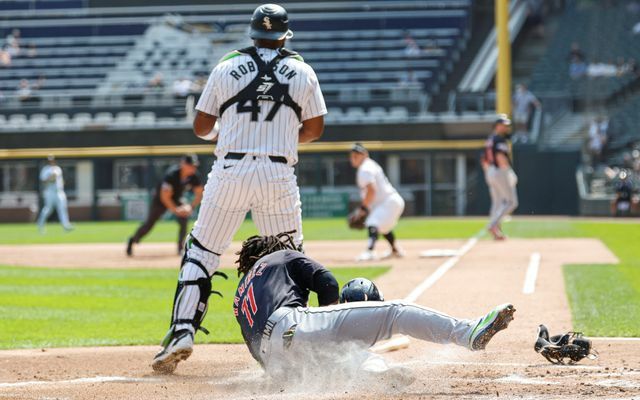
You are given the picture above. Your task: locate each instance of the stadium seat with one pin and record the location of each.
(17, 122)
(103, 118)
(354, 114)
(38, 121)
(146, 118)
(124, 119)
(80, 120)
(398, 114)
(377, 113)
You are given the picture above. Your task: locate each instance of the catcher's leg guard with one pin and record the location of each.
(190, 303)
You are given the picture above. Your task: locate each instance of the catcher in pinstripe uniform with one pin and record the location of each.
(264, 100)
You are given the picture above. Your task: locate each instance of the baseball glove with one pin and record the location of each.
(357, 217)
(568, 348)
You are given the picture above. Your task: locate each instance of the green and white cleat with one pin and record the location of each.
(492, 323)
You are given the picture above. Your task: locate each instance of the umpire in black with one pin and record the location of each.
(177, 180)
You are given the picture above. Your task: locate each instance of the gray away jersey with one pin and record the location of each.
(238, 133)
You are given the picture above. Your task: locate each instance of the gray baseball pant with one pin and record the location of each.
(499, 180)
(322, 333)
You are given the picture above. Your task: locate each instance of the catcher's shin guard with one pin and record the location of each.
(203, 285)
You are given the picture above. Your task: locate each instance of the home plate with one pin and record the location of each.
(439, 253)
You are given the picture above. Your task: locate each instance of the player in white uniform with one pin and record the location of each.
(263, 101)
(54, 196)
(380, 201)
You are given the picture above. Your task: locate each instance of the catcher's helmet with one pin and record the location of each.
(360, 289)
(270, 21)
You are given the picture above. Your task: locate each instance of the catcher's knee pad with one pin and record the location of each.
(194, 279)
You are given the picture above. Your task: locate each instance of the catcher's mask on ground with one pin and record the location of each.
(360, 289)
(566, 348)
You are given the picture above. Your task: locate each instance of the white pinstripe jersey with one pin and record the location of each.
(278, 137)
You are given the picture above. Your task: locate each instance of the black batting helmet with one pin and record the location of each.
(270, 21)
(360, 289)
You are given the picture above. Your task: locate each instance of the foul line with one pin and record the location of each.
(617, 339)
(95, 379)
(532, 274)
(441, 270)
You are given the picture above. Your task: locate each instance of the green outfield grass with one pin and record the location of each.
(167, 231)
(604, 299)
(46, 307)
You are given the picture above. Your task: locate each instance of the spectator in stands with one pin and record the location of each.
(24, 91)
(32, 51)
(156, 83)
(13, 42)
(577, 68)
(523, 103)
(576, 53)
(535, 16)
(408, 79)
(598, 131)
(622, 205)
(5, 56)
(411, 49)
(182, 87)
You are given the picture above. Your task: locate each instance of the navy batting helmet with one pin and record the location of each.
(360, 289)
(270, 21)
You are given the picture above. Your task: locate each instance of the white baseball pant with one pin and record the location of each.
(385, 215)
(54, 199)
(234, 187)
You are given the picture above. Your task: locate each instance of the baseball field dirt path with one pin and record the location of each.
(488, 274)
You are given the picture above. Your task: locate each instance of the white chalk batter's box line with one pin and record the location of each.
(509, 379)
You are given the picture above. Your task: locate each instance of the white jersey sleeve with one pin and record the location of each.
(314, 106)
(209, 102)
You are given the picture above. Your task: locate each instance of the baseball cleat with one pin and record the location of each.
(178, 349)
(395, 253)
(496, 233)
(367, 255)
(492, 323)
(130, 247)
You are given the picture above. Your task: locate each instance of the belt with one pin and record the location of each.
(274, 318)
(240, 156)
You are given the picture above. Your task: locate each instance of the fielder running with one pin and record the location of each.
(54, 196)
(284, 334)
(500, 177)
(265, 101)
(381, 203)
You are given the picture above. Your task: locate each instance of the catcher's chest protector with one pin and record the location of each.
(265, 86)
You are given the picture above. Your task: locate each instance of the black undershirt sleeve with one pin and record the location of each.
(312, 276)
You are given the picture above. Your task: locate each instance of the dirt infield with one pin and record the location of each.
(489, 273)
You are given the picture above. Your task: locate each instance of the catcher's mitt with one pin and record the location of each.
(357, 217)
(557, 349)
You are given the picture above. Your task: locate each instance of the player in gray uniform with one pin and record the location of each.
(54, 196)
(500, 177)
(264, 100)
(281, 331)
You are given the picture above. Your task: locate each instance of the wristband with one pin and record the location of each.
(213, 134)
(364, 208)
